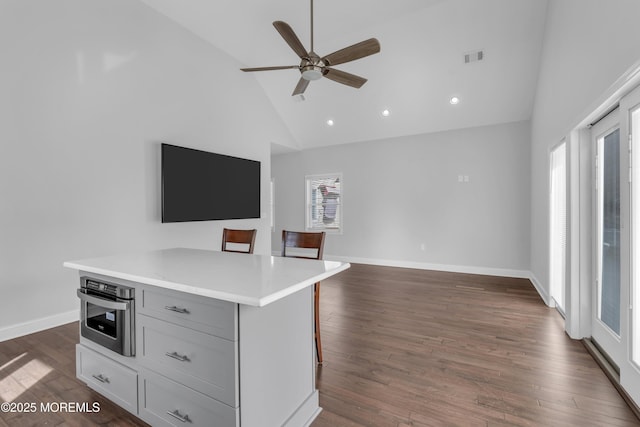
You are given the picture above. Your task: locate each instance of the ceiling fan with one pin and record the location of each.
(314, 67)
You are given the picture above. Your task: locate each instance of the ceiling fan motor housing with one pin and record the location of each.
(311, 72)
(312, 68)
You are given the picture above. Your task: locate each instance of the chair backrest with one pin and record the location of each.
(238, 240)
(298, 244)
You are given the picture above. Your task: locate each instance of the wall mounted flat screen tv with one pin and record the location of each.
(201, 186)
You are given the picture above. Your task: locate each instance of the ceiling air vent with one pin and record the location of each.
(473, 56)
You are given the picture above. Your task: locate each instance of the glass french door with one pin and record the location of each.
(616, 312)
(608, 314)
(630, 127)
(634, 124)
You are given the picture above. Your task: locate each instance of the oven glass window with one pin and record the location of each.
(102, 320)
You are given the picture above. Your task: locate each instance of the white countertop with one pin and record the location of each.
(255, 280)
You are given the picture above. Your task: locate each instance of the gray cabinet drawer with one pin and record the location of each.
(200, 361)
(215, 317)
(164, 402)
(109, 378)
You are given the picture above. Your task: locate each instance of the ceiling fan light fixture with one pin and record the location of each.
(311, 72)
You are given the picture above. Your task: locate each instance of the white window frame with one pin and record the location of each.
(272, 207)
(558, 224)
(310, 224)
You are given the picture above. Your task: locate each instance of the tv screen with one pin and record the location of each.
(200, 186)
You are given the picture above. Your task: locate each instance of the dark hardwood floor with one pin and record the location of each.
(401, 347)
(40, 369)
(417, 348)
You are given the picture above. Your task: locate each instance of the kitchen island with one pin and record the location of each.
(220, 339)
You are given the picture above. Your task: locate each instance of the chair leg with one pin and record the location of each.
(316, 309)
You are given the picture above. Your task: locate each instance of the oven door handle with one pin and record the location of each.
(101, 302)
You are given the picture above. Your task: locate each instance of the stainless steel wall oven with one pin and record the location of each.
(107, 314)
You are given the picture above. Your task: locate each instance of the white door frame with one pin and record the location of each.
(579, 186)
(629, 369)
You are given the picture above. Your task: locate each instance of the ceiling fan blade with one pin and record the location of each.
(283, 67)
(300, 87)
(344, 78)
(353, 52)
(290, 37)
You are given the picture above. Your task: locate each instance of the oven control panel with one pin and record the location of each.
(117, 291)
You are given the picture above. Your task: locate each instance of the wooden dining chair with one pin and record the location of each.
(239, 239)
(297, 244)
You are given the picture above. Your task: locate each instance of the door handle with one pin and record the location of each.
(100, 302)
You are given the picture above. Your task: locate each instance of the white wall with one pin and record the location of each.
(401, 192)
(90, 89)
(588, 45)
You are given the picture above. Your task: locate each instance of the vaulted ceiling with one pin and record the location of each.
(419, 69)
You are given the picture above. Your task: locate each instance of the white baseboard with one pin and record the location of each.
(306, 413)
(543, 294)
(36, 325)
(485, 271)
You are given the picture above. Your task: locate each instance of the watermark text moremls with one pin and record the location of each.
(68, 407)
(50, 407)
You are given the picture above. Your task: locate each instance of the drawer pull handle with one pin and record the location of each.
(176, 309)
(101, 378)
(177, 415)
(177, 356)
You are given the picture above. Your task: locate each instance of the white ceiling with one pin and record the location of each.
(420, 66)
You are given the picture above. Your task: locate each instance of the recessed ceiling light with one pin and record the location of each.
(454, 100)
(329, 122)
(386, 113)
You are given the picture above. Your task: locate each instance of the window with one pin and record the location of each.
(558, 238)
(324, 202)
